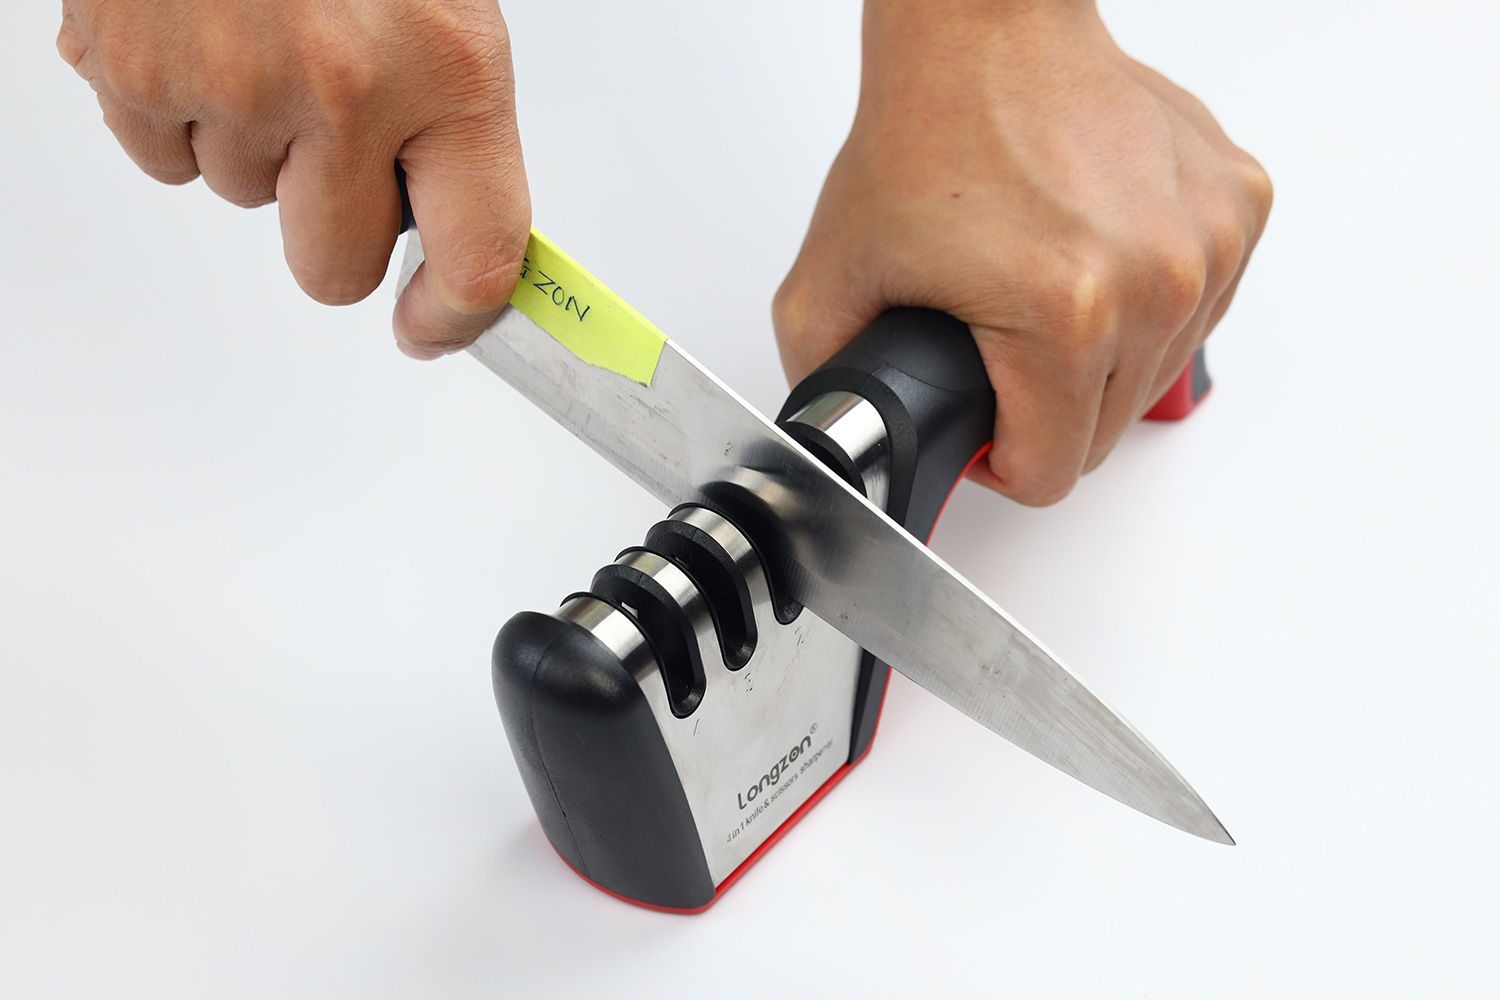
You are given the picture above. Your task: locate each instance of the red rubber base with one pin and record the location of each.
(1184, 395)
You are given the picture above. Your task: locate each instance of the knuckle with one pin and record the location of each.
(340, 79)
(240, 92)
(516, 234)
(1227, 245)
(241, 182)
(810, 328)
(1077, 302)
(1034, 483)
(133, 73)
(1045, 496)
(170, 173)
(71, 45)
(155, 162)
(439, 341)
(235, 82)
(1180, 269)
(481, 280)
(787, 309)
(466, 47)
(248, 198)
(1257, 186)
(472, 54)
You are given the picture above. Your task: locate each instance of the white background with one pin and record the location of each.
(252, 559)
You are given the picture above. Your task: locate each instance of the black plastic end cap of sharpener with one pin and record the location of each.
(594, 763)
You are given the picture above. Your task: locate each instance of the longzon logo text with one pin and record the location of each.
(775, 771)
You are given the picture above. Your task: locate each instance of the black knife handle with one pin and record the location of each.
(408, 221)
(922, 372)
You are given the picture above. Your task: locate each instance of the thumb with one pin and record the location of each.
(469, 196)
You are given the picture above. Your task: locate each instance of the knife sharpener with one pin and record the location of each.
(672, 722)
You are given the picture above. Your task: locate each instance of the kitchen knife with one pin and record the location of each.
(600, 369)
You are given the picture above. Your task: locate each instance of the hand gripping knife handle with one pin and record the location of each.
(671, 723)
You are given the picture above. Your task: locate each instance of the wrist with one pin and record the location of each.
(959, 18)
(921, 49)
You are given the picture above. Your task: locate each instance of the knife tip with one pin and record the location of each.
(1190, 814)
(1210, 827)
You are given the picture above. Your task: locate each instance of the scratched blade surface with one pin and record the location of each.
(846, 560)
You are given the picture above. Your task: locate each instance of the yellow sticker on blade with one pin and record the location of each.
(558, 295)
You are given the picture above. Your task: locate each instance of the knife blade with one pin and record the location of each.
(639, 400)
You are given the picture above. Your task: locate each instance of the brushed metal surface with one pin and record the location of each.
(764, 737)
(853, 423)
